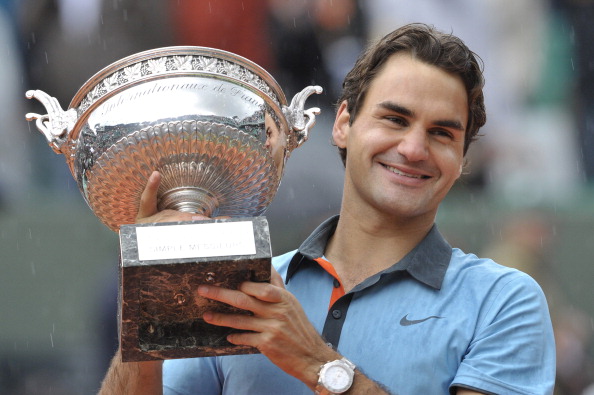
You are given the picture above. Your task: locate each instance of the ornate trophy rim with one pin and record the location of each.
(138, 67)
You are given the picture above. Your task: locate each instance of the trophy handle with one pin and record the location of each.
(296, 114)
(56, 124)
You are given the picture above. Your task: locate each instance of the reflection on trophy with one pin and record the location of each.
(219, 130)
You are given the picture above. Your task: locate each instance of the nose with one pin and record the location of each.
(414, 145)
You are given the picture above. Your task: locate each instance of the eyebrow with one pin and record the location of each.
(388, 105)
(451, 125)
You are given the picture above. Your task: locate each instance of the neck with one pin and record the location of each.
(365, 244)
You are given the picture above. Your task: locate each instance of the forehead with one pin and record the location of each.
(420, 86)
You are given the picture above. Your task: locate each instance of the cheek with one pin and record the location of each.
(372, 141)
(451, 161)
(456, 168)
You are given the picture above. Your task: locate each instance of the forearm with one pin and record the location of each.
(363, 385)
(281, 331)
(133, 378)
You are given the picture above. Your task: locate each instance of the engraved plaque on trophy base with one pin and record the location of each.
(162, 266)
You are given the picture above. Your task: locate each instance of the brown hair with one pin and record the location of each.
(430, 46)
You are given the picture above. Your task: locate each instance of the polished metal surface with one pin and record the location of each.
(216, 125)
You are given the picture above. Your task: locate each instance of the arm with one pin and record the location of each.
(141, 378)
(513, 348)
(280, 330)
(132, 378)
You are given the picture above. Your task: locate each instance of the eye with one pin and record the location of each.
(397, 120)
(442, 133)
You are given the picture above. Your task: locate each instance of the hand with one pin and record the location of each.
(279, 327)
(148, 211)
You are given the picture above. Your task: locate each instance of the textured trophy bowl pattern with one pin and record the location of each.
(227, 170)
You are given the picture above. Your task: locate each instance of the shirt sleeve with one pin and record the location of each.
(513, 350)
(193, 376)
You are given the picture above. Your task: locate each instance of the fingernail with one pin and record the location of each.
(207, 316)
(202, 290)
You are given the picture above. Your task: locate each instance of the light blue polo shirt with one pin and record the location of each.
(436, 320)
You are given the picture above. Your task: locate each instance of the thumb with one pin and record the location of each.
(148, 199)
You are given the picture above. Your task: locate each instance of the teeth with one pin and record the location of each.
(394, 170)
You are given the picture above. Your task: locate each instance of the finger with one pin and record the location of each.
(263, 291)
(201, 217)
(276, 279)
(231, 297)
(242, 322)
(244, 339)
(167, 216)
(271, 293)
(148, 199)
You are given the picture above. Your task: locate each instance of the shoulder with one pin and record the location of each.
(482, 271)
(492, 286)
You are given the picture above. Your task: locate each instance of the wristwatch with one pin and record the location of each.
(335, 377)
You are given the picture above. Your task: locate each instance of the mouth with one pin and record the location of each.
(406, 174)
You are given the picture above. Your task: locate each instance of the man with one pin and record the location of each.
(376, 301)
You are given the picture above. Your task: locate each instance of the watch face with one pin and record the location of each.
(337, 379)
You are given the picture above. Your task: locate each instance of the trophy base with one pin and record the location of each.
(160, 312)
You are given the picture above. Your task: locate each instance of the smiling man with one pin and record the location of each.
(375, 301)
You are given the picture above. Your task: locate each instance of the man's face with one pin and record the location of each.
(275, 144)
(405, 147)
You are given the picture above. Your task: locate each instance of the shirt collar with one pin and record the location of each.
(427, 262)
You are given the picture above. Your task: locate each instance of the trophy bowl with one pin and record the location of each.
(214, 124)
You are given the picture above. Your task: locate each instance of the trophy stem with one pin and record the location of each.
(189, 200)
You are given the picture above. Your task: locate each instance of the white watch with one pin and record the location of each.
(335, 377)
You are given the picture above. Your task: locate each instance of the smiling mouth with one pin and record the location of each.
(401, 173)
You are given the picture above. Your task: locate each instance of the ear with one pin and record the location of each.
(341, 127)
(461, 169)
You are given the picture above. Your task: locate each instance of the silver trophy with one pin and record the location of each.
(219, 130)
